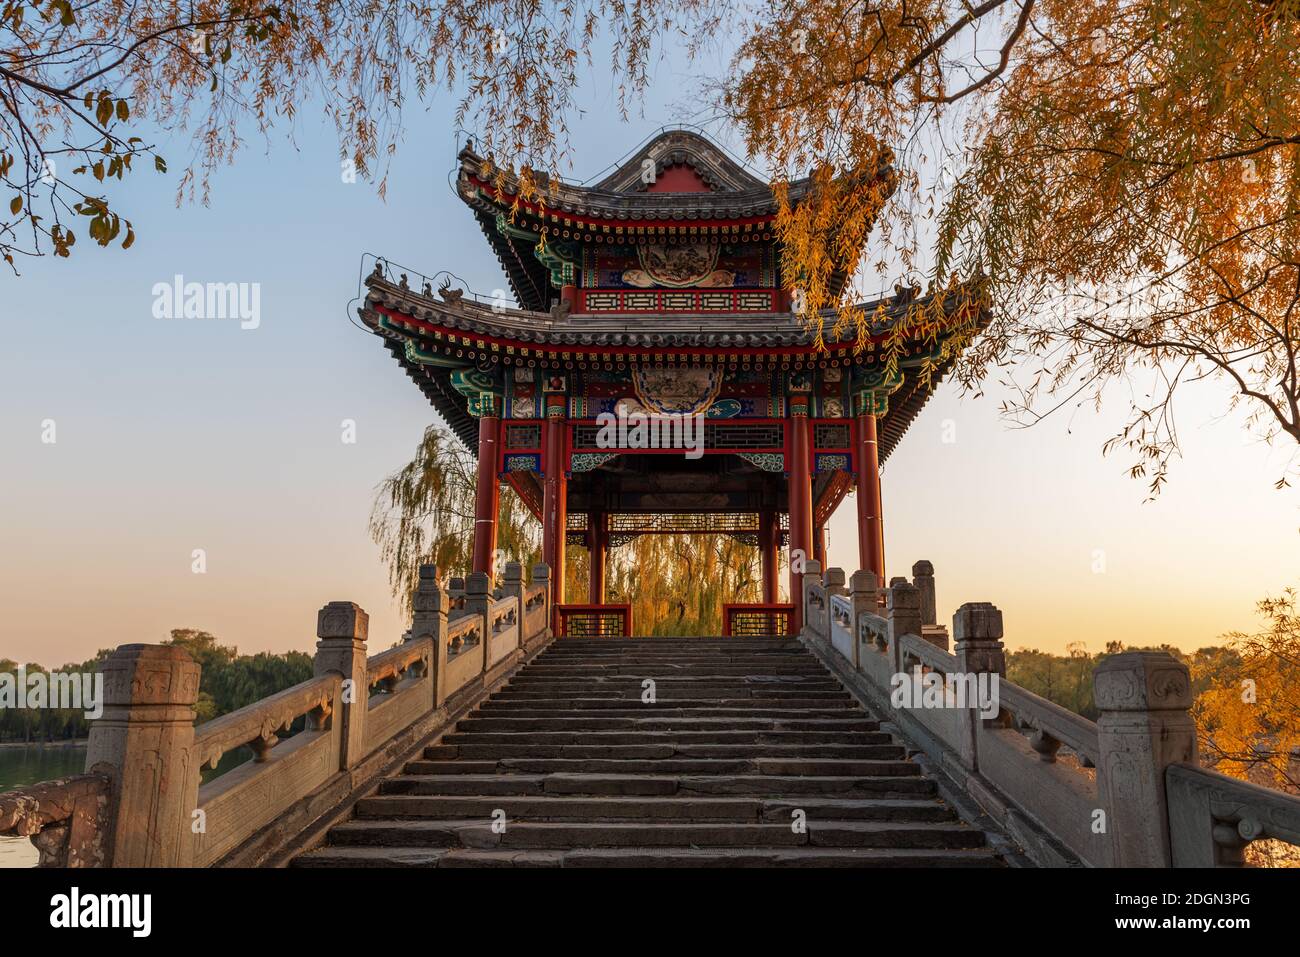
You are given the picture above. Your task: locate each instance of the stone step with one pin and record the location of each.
(541, 669)
(633, 692)
(806, 856)
(754, 662)
(591, 645)
(669, 710)
(656, 723)
(765, 785)
(706, 766)
(548, 808)
(481, 833)
(493, 752)
(752, 755)
(667, 736)
(752, 686)
(630, 702)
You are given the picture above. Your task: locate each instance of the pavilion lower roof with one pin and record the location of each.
(464, 331)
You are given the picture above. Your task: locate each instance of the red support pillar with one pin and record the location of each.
(871, 521)
(487, 497)
(596, 541)
(800, 504)
(819, 545)
(768, 562)
(555, 516)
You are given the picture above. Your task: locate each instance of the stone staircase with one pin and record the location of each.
(751, 754)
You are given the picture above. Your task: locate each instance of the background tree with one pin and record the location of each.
(676, 584)
(1125, 197)
(424, 513)
(85, 87)
(1248, 716)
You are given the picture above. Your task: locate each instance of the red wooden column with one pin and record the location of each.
(871, 521)
(767, 546)
(800, 504)
(596, 542)
(487, 496)
(555, 515)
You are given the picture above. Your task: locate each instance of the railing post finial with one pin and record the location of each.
(977, 629)
(835, 582)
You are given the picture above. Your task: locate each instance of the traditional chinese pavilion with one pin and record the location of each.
(657, 289)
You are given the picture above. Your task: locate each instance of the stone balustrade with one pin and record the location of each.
(143, 803)
(1122, 791)
(66, 819)
(1213, 817)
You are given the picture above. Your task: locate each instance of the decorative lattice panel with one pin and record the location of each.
(523, 436)
(831, 435)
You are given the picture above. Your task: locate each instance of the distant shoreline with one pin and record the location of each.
(52, 745)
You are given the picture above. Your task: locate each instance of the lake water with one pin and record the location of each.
(28, 765)
(34, 763)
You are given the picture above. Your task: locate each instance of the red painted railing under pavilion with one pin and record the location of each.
(757, 620)
(593, 621)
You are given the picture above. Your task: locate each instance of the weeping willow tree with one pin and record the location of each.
(424, 514)
(677, 584)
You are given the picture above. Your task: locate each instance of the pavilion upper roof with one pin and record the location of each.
(720, 188)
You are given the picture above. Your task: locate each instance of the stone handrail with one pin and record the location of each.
(63, 818)
(404, 675)
(840, 622)
(504, 614)
(1212, 817)
(1050, 724)
(917, 651)
(145, 805)
(1104, 806)
(257, 724)
(392, 666)
(465, 633)
(534, 608)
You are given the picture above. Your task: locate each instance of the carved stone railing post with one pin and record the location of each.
(862, 592)
(812, 575)
(903, 609)
(977, 627)
(542, 576)
(429, 620)
(478, 601)
(1144, 727)
(342, 628)
(923, 579)
(144, 741)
